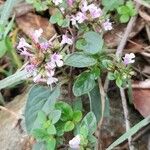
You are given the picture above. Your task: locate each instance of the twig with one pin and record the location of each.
(126, 35)
(148, 31)
(126, 115)
(10, 111)
(103, 95)
(118, 55)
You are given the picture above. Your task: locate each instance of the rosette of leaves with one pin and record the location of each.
(69, 117)
(126, 11)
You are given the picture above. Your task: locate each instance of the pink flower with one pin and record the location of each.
(107, 25)
(70, 2)
(129, 59)
(66, 40)
(23, 44)
(84, 6)
(30, 68)
(80, 17)
(37, 34)
(24, 52)
(44, 45)
(57, 59)
(57, 2)
(94, 11)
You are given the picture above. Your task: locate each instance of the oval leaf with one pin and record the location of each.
(80, 60)
(40, 98)
(93, 43)
(83, 84)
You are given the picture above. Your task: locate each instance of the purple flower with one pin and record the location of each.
(66, 40)
(24, 52)
(84, 6)
(95, 11)
(107, 25)
(129, 59)
(57, 59)
(80, 17)
(23, 44)
(70, 2)
(30, 68)
(44, 45)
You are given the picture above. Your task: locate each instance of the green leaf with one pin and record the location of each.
(40, 98)
(95, 103)
(13, 79)
(51, 144)
(123, 10)
(93, 43)
(38, 146)
(66, 110)
(3, 48)
(90, 122)
(130, 132)
(80, 60)
(58, 18)
(83, 84)
(40, 134)
(77, 116)
(9, 26)
(111, 76)
(54, 116)
(111, 5)
(84, 131)
(51, 129)
(41, 118)
(7, 10)
(69, 126)
(124, 18)
(77, 104)
(66, 23)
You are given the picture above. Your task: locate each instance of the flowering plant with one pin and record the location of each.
(51, 64)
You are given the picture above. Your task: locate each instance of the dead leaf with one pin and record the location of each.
(30, 22)
(141, 101)
(113, 38)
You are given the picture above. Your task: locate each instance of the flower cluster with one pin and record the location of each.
(87, 12)
(42, 62)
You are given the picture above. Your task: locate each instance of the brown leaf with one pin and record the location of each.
(113, 38)
(141, 100)
(30, 22)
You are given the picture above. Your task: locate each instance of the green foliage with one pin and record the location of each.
(40, 99)
(91, 43)
(126, 11)
(90, 122)
(40, 5)
(58, 18)
(80, 60)
(86, 130)
(112, 5)
(14, 79)
(83, 84)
